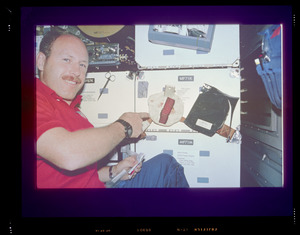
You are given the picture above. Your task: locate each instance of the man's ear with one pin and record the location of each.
(40, 61)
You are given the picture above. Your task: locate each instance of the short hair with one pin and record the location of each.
(48, 40)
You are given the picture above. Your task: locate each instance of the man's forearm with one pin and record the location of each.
(95, 143)
(74, 150)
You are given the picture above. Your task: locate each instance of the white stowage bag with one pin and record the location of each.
(157, 101)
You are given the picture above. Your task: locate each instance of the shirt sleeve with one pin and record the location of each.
(45, 115)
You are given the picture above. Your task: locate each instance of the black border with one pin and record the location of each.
(42, 210)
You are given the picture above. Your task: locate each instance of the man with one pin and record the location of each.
(68, 146)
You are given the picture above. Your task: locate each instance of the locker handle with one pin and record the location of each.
(264, 157)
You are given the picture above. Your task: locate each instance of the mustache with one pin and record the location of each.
(71, 78)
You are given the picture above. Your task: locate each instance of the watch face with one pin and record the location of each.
(129, 131)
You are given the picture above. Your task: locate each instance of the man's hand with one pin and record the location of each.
(127, 164)
(135, 120)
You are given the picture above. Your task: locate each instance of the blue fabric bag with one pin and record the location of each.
(268, 66)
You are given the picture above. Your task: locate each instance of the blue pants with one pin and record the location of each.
(161, 171)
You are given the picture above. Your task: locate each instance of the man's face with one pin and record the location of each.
(65, 69)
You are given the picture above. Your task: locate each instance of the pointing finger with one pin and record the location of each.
(144, 115)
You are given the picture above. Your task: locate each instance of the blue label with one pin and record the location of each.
(204, 153)
(168, 52)
(102, 115)
(168, 151)
(202, 180)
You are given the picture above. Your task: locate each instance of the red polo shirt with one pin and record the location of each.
(52, 111)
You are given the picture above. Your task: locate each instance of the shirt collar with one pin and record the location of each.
(47, 90)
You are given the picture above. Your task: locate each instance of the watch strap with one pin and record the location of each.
(127, 127)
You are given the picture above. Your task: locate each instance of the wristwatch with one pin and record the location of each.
(110, 172)
(127, 126)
